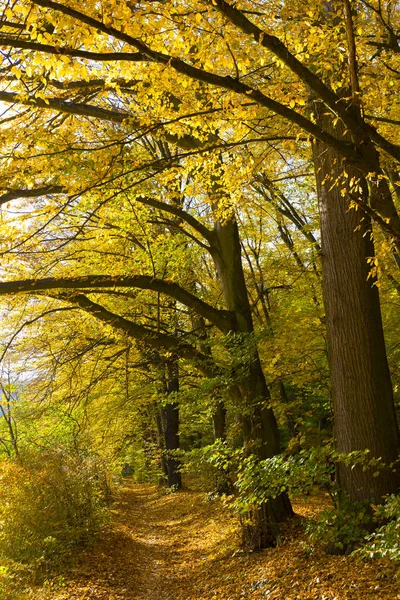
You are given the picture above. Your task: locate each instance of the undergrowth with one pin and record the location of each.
(53, 502)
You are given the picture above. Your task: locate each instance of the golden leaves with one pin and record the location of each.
(180, 546)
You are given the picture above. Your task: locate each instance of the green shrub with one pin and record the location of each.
(342, 528)
(209, 469)
(259, 480)
(385, 541)
(51, 500)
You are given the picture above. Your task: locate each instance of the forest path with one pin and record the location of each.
(183, 547)
(156, 549)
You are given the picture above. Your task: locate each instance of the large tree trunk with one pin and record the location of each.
(364, 415)
(252, 396)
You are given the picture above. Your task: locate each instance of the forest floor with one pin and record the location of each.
(183, 547)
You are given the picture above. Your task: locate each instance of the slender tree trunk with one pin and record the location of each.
(159, 416)
(171, 418)
(294, 431)
(251, 393)
(364, 414)
(5, 412)
(222, 479)
(219, 421)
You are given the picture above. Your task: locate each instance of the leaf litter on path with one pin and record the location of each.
(184, 547)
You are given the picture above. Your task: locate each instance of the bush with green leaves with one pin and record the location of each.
(211, 468)
(346, 525)
(343, 527)
(259, 480)
(347, 528)
(52, 500)
(384, 542)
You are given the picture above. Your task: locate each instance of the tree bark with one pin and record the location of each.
(219, 421)
(250, 391)
(159, 416)
(364, 414)
(171, 417)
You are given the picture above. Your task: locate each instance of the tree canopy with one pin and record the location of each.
(200, 233)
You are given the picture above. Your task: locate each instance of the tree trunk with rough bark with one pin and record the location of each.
(160, 423)
(364, 414)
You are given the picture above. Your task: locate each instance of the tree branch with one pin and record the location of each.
(12, 25)
(383, 119)
(178, 212)
(30, 322)
(222, 319)
(334, 102)
(80, 84)
(385, 46)
(187, 142)
(48, 49)
(71, 108)
(227, 83)
(274, 45)
(13, 194)
(337, 105)
(352, 54)
(143, 334)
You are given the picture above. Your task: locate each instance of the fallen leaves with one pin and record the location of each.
(183, 547)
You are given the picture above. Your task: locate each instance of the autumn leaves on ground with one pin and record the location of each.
(184, 546)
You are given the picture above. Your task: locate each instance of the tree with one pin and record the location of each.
(255, 91)
(249, 388)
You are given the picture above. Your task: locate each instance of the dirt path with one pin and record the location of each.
(183, 547)
(154, 551)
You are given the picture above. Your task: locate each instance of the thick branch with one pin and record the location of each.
(385, 46)
(90, 110)
(143, 334)
(80, 84)
(274, 45)
(34, 193)
(383, 119)
(12, 25)
(312, 81)
(48, 49)
(71, 108)
(357, 126)
(222, 319)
